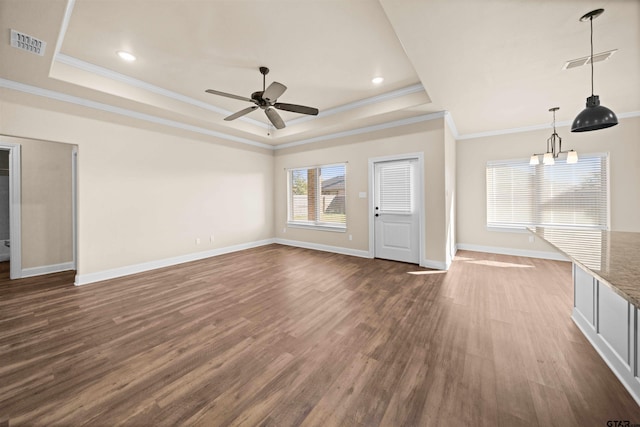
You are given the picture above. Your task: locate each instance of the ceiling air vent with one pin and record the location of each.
(26, 42)
(597, 57)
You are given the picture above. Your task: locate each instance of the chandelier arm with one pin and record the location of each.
(559, 142)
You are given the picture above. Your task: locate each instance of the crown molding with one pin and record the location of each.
(628, 115)
(361, 103)
(34, 90)
(140, 84)
(509, 131)
(382, 126)
(65, 25)
(58, 96)
(452, 126)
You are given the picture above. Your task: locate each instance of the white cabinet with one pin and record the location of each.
(613, 321)
(584, 294)
(610, 323)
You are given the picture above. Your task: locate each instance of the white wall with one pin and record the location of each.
(145, 194)
(620, 141)
(427, 138)
(450, 192)
(47, 233)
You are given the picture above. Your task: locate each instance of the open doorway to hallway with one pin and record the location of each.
(41, 205)
(5, 236)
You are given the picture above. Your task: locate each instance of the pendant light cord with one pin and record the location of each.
(591, 22)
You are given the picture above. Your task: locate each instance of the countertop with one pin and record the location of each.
(612, 257)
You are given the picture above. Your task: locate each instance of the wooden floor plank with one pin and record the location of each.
(282, 336)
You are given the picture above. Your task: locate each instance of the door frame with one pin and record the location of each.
(12, 144)
(15, 228)
(74, 204)
(419, 156)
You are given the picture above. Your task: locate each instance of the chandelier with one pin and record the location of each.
(554, 148)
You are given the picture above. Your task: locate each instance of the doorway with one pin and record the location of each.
(396, 187)
(10, 205)
(5, 237)
(44, 228)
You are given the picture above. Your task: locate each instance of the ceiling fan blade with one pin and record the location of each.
(274, 118)
(296, 108)
(273, 92)
(240, 113)
(228, 95)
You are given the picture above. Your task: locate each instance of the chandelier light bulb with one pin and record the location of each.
(548, 159)
(572, 157)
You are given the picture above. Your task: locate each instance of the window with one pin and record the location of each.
(395, 189)
(317, 196)
(561, 195)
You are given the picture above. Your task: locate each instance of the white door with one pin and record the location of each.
(396, 216)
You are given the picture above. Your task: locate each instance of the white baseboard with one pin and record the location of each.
(436, 265)
(619, 367)
(85, 279)
(324, 248)
(427, 263)
(556, 256)
(47, 269)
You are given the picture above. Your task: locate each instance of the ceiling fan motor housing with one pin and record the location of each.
(257, 98)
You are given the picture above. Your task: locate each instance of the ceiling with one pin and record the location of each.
(493, 64)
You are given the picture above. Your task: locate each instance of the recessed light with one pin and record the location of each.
(126, 56)
(377, 80)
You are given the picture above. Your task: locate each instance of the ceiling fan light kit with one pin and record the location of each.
(594, 116)
(266, 100)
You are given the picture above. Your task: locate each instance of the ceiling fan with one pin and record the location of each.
(266, 99)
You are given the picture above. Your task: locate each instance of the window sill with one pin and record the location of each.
(335, 229)
(522, 229)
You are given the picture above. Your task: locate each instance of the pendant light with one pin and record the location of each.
(594, 116)
(554, 148)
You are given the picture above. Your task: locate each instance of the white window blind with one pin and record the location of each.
(396, 187)
(588, 245)
(559, 195)
(317, 196)
(510, 194)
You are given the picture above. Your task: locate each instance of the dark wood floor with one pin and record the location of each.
(284, 336)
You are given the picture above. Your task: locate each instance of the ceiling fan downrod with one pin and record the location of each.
(264, 71)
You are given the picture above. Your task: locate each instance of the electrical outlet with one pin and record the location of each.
(532, 239)
(350, 237)
(197, 240)
(211, 239)
(284, 230)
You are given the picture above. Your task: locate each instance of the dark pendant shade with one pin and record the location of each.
(594, 117)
